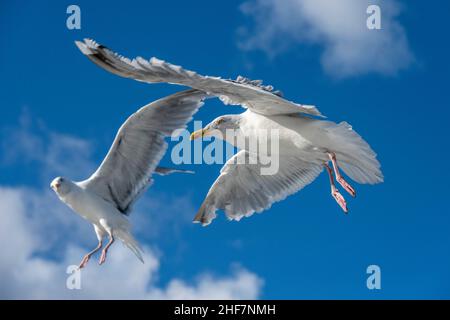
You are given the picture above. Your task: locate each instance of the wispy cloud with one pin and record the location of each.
(42, 237)
(339, 27)
(30, 142)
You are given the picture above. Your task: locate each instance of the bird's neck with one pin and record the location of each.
(69, 196)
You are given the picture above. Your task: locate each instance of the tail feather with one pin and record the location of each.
(354, 155)
(363, 176)
(129, 241)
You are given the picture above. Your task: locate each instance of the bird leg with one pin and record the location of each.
(339, 177)
(334, 191)
(86, 258)
(105, 250)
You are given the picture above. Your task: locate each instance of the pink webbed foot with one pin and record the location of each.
(84, 262)
(105, 250)
(102, 258)
(335, 192)
(340, 200)
(339, 177)
(346, 186)
(86, 258)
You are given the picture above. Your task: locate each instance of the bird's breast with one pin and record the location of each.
(281, 134)
(89, 205)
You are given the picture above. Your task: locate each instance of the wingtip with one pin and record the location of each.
(83, 47)
(314, 110)
(319, 114)
(202, 218)
(198, 219)
(202, 222)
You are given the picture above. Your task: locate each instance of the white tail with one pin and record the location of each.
(130, 242)
(354, 155)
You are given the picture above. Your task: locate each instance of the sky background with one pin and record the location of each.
(59, 114)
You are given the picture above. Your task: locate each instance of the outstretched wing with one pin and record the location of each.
(241, 190)
(139, 146)
(249, 94)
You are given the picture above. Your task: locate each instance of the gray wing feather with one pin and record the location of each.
(241, 190)
(249, 94)
(139, 145)
(163, 171)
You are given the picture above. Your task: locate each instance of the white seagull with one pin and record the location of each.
(306, 143)
(107, 197)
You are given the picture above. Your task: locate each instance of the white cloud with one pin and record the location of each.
(339, 27)
(38, 236)
(27, 275)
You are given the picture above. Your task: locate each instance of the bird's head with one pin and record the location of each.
(218, 127)
(61, 185)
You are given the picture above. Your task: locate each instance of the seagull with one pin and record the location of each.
(307, 143)
(107, 197)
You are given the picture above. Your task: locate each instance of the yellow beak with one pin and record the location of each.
(197, 134)
(55, 185)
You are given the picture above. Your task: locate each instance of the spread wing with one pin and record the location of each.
(139, 146)
(241, 190)
(250, 94)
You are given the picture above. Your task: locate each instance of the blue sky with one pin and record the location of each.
(59, 114)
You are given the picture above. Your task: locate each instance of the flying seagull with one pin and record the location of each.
(107, 197)
(307, 143)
